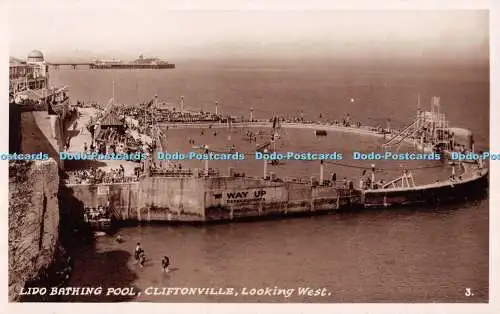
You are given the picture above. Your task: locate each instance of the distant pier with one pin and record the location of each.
(105, 66)
(73, 65)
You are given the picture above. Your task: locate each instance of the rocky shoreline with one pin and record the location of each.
(57, 274)
(38, 232)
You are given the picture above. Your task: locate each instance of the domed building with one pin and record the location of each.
(29, 75)
(35, 56)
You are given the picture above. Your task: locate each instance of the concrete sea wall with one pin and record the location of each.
(161, 198)
(475, 184)
(33, 221)
(207, 199)
(231, 198)
(151, 199)
(41, 132)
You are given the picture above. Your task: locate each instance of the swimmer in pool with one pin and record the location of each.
(137, 252)
(142, 258)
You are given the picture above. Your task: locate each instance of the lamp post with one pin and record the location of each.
(265, 165)
(321, 169)
(206, 161)
(373, 175)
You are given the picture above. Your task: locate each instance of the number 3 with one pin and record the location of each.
(468, 292)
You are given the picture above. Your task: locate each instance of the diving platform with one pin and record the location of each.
(430, 128)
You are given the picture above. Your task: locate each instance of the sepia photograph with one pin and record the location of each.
(161, 155)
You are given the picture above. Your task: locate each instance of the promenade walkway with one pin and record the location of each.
(81, 135)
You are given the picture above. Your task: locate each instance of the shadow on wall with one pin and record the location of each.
(106, 270)
(32, 138)
(14, 128)
(73, 228)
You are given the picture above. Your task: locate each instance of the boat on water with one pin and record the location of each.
(99, 233)
(99, 224)
(320, 133)
(98, 218)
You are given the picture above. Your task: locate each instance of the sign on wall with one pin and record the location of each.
(103, 190)
(245, 196)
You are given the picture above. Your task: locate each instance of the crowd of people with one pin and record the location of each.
(27, 102)
(176, 170)
(97, 176)
(172, 115)
(91, 104)
(128, 137)
(345, 122)
(111, 142)
(145, 113)
(95, 213)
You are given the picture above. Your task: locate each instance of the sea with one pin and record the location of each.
(437, 253)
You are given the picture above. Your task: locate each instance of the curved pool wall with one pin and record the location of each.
(363, 130)
(474, 183)
(209, 199)
(201, 199)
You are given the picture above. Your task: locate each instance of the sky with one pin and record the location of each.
(102, 29)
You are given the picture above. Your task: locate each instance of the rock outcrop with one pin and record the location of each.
(33, 221)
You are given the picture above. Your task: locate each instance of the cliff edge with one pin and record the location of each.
(33, 221)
